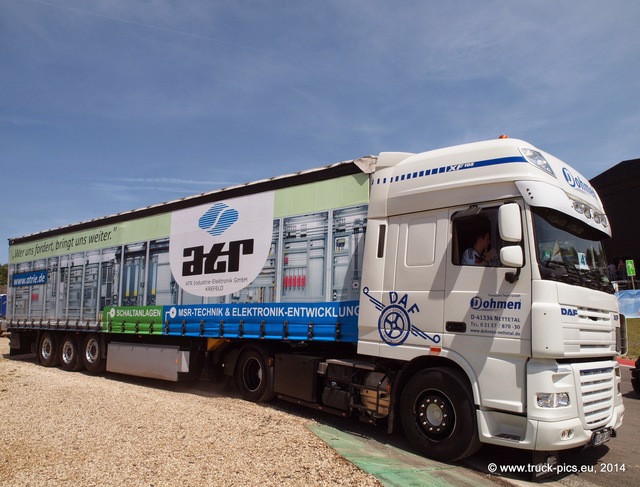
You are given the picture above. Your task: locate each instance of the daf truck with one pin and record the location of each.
(344, 288)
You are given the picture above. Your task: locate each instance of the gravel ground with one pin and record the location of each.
(61, 426)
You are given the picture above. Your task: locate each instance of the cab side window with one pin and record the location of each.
(476, 240)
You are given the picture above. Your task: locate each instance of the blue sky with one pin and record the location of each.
(107, 106)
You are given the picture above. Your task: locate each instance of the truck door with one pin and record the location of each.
(487, 306)
(408, 310)
(418, 294)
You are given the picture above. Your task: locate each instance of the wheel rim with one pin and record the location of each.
(67, 352)
(91, 351)
(252, 374)
(46, 350)
(434, 415)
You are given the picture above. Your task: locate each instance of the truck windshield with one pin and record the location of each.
(570, 251)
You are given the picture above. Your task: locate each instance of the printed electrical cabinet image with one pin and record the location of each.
(304, 243)
(349, 225)
(37, 296)
(133, 274)
(22, 294)
(89, 292)
(108, 278)
(263, 287)
(72, 269)
(51, 287)
(160, 287)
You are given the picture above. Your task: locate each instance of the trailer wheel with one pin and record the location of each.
(91, 353)
(438, 415)
(253, 377)
(47, 350)
(70, 353)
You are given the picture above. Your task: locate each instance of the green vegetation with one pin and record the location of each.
(4, 272)
(633, 337)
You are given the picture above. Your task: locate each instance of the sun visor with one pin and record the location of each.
(541, 194)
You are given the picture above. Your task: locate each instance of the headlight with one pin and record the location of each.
(537, 159)
(553, 399)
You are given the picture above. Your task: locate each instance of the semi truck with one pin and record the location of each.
(344, 288)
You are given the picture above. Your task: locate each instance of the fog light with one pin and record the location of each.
(567, 434)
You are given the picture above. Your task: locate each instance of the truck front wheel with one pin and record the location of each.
(254, 377)
(438, 414)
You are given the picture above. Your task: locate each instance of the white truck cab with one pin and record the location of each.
(535, 329)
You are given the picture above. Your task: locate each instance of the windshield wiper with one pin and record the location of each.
(572, 275)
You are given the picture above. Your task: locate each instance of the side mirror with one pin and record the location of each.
(512, 256)
(509, 223)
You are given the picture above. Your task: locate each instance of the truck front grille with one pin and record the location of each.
(597, 390)
(591, 334)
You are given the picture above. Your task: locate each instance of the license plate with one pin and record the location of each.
(601, 436)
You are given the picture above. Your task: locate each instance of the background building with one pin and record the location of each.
(618, 188)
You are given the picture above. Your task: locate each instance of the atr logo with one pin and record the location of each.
(219, 248)
(394, 324)
(221, 257)
(213, 261)
(218, 219)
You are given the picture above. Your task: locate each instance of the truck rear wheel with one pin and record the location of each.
(91, 353)
(70, 353)
(47, 350)
(254, 377)
(438, 414)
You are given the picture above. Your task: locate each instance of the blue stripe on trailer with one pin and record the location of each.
(330, 322)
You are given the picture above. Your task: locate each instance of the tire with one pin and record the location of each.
(48, 350)
(70, 353)
(254, 377)
(438, 414)
(92, 353)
